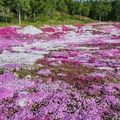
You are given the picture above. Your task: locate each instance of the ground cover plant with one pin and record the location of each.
(69, 72)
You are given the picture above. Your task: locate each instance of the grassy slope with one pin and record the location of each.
(53, 21)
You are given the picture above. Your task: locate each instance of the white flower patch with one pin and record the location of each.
(29, 30)
(19, 49)
(105, 68)
(22, 102)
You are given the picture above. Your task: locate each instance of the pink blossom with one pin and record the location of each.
(4, 93)
(44, 72)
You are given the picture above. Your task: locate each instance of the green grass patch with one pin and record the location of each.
(53, 20)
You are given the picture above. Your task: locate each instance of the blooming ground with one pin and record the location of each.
(60, 73)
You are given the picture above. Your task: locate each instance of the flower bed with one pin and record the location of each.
(60, 73)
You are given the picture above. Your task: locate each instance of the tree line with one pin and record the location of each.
(102, 10)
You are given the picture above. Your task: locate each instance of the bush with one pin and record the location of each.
(1, 19)
(9, 19)
(64, 17)
(43, 18)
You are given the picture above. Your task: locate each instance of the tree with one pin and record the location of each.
(36, 7)
(25, 7)
(5, 10)
(49, 7)
(86, 8)
(16, 7)
(102, 8)
(69, 5)
(61, 6)
(92, 13)
(116, 10)
(21, 8)
(80, 6)
(5, 13)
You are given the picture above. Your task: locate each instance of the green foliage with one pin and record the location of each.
(5, 14)
(61, 6)
(47, 10)
(64, 17)
(101, 9)
(49, 7)
(86, 8)
(25, 5)
(43, 18)
(115, 14)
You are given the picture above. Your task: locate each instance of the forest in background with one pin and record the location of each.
(34, 10)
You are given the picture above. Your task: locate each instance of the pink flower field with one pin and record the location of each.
(69, 72)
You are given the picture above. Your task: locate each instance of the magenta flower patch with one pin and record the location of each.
(11, 66)
(68, 72)
(4, 93)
